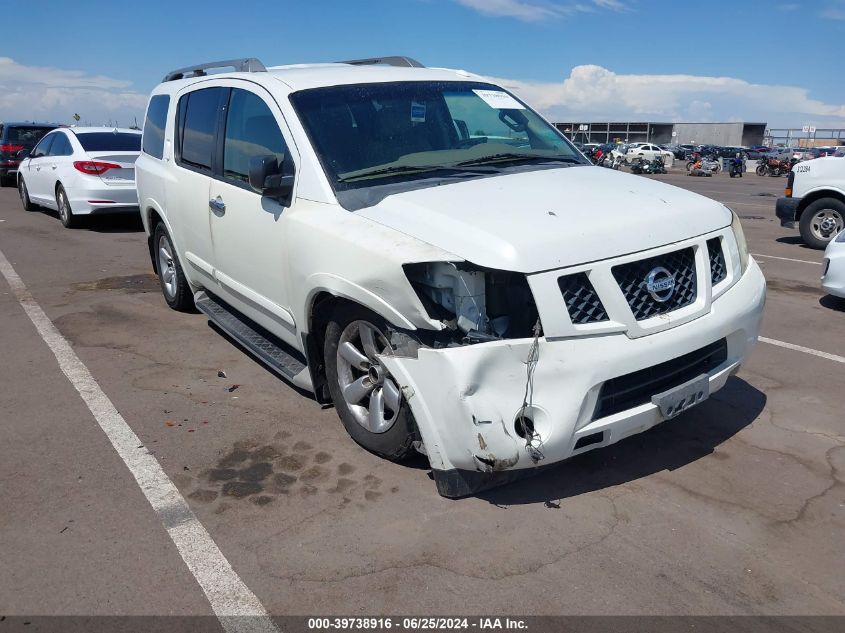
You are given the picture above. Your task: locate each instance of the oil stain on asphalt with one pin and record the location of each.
(263, 474)
(145, 282)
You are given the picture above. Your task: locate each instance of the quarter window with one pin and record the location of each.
(61, 146)
(198, 116)
(153, 143)
(251, 130)
(44, 146)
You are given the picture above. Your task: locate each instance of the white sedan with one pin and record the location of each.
(645, 151)
(833, 277)
(81, 171)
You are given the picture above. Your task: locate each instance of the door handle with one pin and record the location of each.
(217, 204)
(53, 166)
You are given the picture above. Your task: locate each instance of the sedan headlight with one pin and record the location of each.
(741, 244)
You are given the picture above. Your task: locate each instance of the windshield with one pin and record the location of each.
(373, 134)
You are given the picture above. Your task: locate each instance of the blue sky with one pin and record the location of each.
(772, 61)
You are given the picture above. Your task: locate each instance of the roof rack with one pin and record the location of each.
(393, 60)
(245, 65)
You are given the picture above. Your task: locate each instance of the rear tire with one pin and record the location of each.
(174, 286)
(368, 399)
(69, 220)
(761, 170)
(24, 194)
(821, 221)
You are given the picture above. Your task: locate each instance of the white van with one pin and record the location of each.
(814, 199)
(423, 250)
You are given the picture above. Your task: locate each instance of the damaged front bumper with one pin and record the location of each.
(467, 400)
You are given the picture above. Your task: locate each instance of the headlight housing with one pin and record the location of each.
(841, 237)
(741, 244)
(476, 303)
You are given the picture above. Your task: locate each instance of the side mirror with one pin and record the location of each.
(23, 154)
(269, 178)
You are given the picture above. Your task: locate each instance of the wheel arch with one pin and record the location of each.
(321, 303)
(813, 196)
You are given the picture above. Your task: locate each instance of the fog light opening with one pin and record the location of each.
(587, 440)
(524, 426)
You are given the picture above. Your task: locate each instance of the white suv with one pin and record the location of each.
(420, 248)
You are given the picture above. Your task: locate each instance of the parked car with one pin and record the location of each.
(678, 151)
(814, 199)
(337, 221)
(644, 151)
(833, 267)
(802, 153)
(81, 171)
(15, 138)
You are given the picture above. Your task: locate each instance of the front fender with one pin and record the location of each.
(394, 312)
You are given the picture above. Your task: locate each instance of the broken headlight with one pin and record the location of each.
(481, 303)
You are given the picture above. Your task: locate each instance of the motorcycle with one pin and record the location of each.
(637, 166)
(657, 166)
(706, 163)
(737, 166)
(775, 167)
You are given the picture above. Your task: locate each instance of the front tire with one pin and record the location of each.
(174, 286)
(761, 170)
(69, 220)
(821, 221)
(368, 399)
(24, 194)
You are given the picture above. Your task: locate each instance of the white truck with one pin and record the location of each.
(420, 248)
(814, 199)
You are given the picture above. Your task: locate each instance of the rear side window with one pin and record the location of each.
(251, 130)
(110, 141)
(197, 119)
(153, 143)
(61, 146)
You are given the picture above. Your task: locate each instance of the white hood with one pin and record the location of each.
(547, 219)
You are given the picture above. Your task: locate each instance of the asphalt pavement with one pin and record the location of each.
(735, 508)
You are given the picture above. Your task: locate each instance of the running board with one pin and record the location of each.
(265, 347)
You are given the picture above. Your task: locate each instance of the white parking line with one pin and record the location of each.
(788, 259)
(236, 607)
(806, 350)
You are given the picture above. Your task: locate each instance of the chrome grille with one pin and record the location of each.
(633, 278)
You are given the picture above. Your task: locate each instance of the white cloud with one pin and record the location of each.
(594, 93)
(538, 10)
(53, 94)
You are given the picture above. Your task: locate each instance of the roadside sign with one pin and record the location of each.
(805, 128)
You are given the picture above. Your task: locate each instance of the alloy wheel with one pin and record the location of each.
(370, 392)
(167, 267)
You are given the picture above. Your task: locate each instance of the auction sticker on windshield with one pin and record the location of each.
(500, 100)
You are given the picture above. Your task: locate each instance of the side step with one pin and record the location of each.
(277, 355)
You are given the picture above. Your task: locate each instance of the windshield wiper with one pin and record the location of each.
(408, 169)
(506, 157)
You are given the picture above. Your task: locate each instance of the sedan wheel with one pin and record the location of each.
(65, 212)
